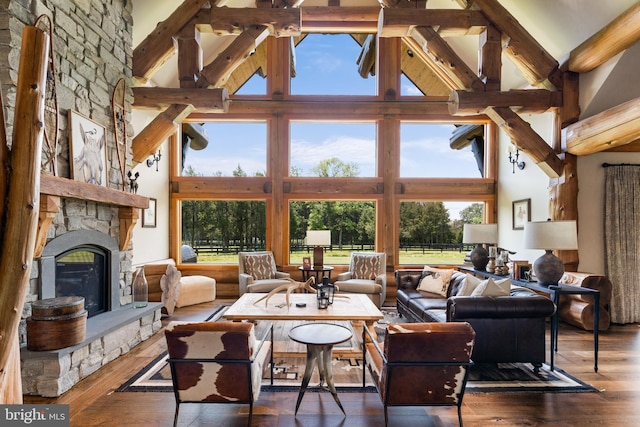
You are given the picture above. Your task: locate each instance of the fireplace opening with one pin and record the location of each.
(82, 271)
(83, 263)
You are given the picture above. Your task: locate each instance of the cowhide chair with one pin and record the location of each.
(217, 362)
(423, 364)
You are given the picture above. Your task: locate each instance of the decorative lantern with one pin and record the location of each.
(329, 288)
(323, 296)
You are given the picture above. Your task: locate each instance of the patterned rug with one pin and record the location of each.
(347, 372)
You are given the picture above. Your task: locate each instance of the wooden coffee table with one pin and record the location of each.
(357, 308)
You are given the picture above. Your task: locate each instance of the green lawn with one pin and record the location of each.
(336, 257)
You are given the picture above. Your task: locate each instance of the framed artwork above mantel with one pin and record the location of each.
(521, 213)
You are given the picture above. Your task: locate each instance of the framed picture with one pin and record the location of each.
(87, 143)
(521, 213)
(524, 272)
(306, 263)
(149, 214)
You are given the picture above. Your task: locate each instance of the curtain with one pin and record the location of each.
(622, 240)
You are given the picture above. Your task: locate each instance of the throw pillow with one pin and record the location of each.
(488, 288)
(259, 267)
(504, 284)
(469, 284)
(365, 267)
(435, 280)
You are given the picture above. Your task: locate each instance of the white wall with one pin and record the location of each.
(529, 183)
(533, 183)
(152, 244)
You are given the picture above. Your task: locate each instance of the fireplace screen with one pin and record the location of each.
(82, 271)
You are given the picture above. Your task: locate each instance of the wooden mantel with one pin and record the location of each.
(53, 188)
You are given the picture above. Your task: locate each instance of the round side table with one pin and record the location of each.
(320, 339)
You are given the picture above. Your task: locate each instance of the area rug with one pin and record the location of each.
(288, 372)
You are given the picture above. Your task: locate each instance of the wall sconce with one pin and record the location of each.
(154, 159)
(514, 152)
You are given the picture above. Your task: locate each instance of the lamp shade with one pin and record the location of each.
(318, 237)
(480, 233)
(551, 235)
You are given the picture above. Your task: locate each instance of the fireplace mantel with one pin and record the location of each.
(52, 188)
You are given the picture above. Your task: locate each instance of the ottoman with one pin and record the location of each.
(196, 290)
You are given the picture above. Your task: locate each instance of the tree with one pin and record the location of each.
(473, 214)
(334, 167)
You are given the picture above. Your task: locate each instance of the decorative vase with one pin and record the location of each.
(140, 288)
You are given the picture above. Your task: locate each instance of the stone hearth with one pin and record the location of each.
(109, 335)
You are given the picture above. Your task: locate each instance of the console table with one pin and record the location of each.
(554, 292)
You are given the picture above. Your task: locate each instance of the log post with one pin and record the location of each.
(20, 221)
(563, 200)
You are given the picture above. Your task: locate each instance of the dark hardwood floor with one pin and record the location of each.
(93, 401)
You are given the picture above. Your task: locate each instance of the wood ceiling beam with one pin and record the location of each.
(340, 19)
(463, 103)
(214, 100)
(224, 21)
(614, 127)
(400, 22)
(490, 58)
(217, 72)
(153, 135)
(444, 57)
(434, 108)
(160, 44)
(536, 64)
(526, 139)
(620, 34)
(189, 56)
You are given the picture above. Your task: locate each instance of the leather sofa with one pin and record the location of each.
(508, 328)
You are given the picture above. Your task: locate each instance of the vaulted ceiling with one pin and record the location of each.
(497, 58)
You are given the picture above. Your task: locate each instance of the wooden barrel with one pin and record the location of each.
(56, 323)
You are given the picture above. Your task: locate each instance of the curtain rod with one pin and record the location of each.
(606, 165)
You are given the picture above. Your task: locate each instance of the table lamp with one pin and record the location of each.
(480, 234)
(318, 239)
(550, 236)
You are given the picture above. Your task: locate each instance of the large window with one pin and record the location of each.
(326, 64)
(352, 226)
(218, 229)
(234, 148)
(333, 149)
(426, 152)
(431, 231)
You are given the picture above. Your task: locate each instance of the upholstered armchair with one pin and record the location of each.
(367, 275)
(422, 364)
(217, 362)
(257, 272)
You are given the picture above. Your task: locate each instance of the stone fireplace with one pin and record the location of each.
(87, 253)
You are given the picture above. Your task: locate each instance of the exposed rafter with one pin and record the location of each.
(619, 35)
(160, 44)
(535, 63)
(612, 128)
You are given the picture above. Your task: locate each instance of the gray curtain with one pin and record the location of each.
(622, 240)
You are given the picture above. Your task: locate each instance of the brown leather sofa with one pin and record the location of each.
(508, 328)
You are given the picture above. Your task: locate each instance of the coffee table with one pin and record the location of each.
(357, 308)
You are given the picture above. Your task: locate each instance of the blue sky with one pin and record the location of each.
(322, 62)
